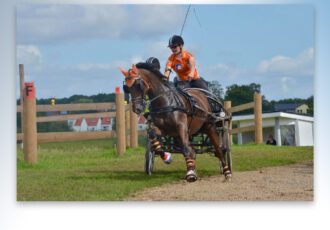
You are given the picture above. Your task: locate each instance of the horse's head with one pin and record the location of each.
(137, 87)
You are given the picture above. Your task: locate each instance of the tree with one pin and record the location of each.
(310, 103)
(241, 95)
(216, 89)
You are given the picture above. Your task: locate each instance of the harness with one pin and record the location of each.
(192, 102)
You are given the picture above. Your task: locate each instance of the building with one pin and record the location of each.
(79, 125)
(142, 123)
(287, 128)
(106, 123)
(91, 124)
(298, 108)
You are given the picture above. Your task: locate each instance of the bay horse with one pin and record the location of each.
(173, 113)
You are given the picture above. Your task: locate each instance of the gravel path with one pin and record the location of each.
(285, 183)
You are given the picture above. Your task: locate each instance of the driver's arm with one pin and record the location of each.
(167, 72)
(192, 68)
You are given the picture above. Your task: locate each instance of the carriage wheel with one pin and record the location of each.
(149, 158)
(225, 144)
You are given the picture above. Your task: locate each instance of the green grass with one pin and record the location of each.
(91, 170)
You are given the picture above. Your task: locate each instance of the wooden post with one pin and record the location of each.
(258, 118)
(133, 127)
(127, 127)
(227, 107)
(120, 123)
(21, 81)
(30, 124)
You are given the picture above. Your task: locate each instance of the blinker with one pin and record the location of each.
(126, 89)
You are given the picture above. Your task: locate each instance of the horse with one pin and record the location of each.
(173, 113)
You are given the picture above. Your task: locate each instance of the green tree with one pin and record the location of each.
(241, 95)
(216, 89)
(310, 103)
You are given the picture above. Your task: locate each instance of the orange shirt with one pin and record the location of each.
(181, 65)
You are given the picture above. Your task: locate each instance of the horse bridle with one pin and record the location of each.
(133, 80)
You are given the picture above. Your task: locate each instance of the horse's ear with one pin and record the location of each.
(124, 72)
(135, 70)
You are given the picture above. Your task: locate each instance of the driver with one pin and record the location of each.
(183, 63)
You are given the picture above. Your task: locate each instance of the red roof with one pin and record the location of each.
(142, 119)
(78, 122)
(106, 121)
(91, 121)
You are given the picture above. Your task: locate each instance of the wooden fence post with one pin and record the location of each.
(30, 124)
(258, 118)
(120, 122)
(133, 127)
(228, 106)
(127, 126)
(21, 81)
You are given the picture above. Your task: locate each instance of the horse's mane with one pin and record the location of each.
(149, 67)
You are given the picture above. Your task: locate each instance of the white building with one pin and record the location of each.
(79, 125)
(287, 129)
(142, 123)
(91, 124)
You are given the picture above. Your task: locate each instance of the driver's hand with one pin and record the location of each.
(165, 79)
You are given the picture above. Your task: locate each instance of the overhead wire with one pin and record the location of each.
(185, 19)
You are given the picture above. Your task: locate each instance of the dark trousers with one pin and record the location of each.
(195, 83)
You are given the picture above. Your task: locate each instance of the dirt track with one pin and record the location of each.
(286, 183)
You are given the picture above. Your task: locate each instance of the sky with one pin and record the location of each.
(78, 49)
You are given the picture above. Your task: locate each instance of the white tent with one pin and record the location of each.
(287, 128)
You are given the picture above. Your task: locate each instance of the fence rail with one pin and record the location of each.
(72, 107)
(70, 136)
(75, 116)
(241, 107)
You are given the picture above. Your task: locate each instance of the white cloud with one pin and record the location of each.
(62, 23)
(285, 81)
(136, 58)
(28, 54)
(302, 65)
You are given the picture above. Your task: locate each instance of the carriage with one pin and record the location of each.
(200, 142)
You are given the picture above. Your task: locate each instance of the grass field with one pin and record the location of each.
(91, 170)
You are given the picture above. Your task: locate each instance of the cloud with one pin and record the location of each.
(53, 24)
(284, 81)
(302, 65)
(28, 54)
(279, 77)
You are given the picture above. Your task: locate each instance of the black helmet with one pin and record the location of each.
(154, 62)
(175, 40)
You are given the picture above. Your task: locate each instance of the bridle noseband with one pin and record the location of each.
(130, 81)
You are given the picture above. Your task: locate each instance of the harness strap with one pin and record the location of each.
(167, 109)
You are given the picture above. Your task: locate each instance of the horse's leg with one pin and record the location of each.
(153, 136)
(188, 153)
(212, 133)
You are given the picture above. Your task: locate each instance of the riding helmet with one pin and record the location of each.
(154, 62)
(175, 40)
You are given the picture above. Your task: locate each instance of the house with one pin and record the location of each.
(106, 123)
(142, 123)
(287, 128)
(298, 108)
(79, 125)
(91, 124)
